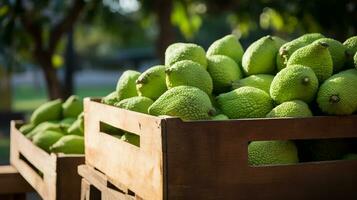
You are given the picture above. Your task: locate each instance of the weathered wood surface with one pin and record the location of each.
(53, 176)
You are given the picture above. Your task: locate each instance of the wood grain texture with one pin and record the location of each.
(122, 167)
(53, 176)
(209, 159)
(95, 186)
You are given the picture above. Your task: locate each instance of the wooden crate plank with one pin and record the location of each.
(147, 180)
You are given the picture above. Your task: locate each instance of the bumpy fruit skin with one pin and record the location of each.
(287, 49)
(245, 102)
(126, 86)
(294, 108)
(185, 51)
(338, 94)
(272, 153)
(224, 71)
(72, 107)
(337, 51)
(26, 128)
(220, 117)
(49, 111)
(188, 73)
(186, 102)
(260, 56)
(351, 45)
(152, 82)
(227, 46)
(131, 138)
(46, 139)
(111, 98)
(294, 83)
(260, 81)
(69, 144)
(317, 57)
(137, 104)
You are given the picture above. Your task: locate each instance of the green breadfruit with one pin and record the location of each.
(188, 73)
(351, 45)
(224, 71)
(279, 41)
(245, 102)
(338, 94)
(229, 46)
(260, 56)
(44, 126)
(152, 82)
(220, 117)
(186, 102)
(66, 123)
(337, 51)
(350, 156)
(126, 86)
(272, 153)
(294, 83)
(131, 138)
(355, 60)
(75, 128)
(26, 128)
(260, 81)
(111, 98)
(185, 51)
(69, 144)
(49, 111)
(46, 139)
(137, 104)
(324, 150)
(317, 57)
(81, 120)
(287, 49)
(294, 108)
(72, 107)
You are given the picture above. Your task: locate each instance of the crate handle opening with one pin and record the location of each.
(126, 136)
(293, 152)
(35, 169)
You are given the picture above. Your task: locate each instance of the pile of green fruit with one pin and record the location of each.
(310, 75)
(57, 127)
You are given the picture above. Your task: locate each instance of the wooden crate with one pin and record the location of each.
(208, 159)
(96, 186)
(12, 185)
(53, 176)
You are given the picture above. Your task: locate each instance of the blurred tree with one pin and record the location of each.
(38, 26)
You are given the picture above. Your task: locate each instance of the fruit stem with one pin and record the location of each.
(334, 99)
(305, 80)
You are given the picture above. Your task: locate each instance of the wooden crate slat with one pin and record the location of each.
(148, 180)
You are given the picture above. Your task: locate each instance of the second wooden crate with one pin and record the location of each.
(53, 176)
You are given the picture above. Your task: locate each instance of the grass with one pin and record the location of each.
(27, 98)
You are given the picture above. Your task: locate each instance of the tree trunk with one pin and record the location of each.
(70, 66)
(54, 87)
(166, 30)
(5, 89)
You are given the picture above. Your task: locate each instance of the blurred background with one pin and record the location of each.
(53, 48)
